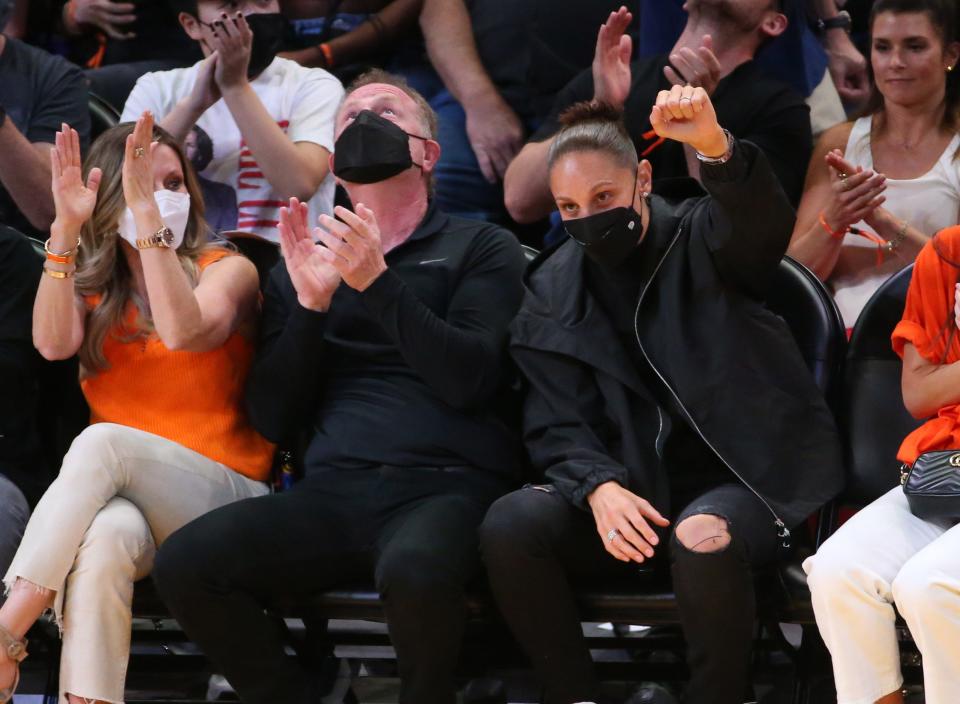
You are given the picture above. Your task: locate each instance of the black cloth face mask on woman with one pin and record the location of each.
(372, 149)
(608, 237)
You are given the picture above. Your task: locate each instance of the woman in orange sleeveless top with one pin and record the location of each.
(161, 321)
(885, 556)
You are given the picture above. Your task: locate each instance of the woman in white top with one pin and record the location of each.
(878, 188)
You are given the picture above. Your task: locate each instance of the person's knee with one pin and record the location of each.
(515, 525)
(118, 542)
(415, 576)
(833, 573)
(922, 592)
(703, 533)
(98, 447)
(182, 563)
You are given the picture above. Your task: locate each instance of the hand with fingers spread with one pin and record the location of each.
(137, 168)
(686, 114)
(313, 277)
(700, 68)
(622, 522)
(110, 17)
(232, 41)
(353, 246)
(74, 200)
(611, 60)
(855, 192)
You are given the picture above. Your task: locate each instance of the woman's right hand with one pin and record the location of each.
(621, 517)
(73, 200)
(855, 192)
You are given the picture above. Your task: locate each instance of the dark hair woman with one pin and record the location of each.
(660, 390)
(879, 187)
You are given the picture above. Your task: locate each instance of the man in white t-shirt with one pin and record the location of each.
(270, 119)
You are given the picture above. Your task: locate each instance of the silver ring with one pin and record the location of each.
(687, 98)
(612, 534)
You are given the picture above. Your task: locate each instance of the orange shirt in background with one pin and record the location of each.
(927, 323)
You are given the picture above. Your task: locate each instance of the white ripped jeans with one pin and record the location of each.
(120, 493)
(886, 556)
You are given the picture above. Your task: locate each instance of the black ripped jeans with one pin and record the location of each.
(536, 545)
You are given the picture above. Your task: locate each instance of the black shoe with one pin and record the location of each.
(651, 693)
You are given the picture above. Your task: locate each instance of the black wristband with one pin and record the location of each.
(840, 21)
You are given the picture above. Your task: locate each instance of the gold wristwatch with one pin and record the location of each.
(161, 238)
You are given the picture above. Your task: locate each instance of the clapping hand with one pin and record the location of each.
(685, 114)
(353, 246)
(856, 193)
(137, 169)
(74, 200)
(232, 41)
(314, 279)
(205, 91)
(700, 68)
(611, 60)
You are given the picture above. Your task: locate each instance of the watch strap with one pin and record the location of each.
(160, 238)
(841, 20)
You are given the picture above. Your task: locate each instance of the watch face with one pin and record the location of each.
(166, 235)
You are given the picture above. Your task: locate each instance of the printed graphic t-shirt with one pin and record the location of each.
(302, 101)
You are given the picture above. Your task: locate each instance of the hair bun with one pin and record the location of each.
(590, 111)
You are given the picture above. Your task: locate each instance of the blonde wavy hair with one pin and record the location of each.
(102, 268)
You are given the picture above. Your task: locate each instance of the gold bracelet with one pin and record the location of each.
(53, 273)
(899, 237)
(68, 253)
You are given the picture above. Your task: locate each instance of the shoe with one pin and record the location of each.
(16, 651)
(651, 693)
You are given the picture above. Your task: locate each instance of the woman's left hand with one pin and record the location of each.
(138, 166)
(685, 114)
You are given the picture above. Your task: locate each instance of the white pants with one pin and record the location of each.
(883, 556)
(120, 493)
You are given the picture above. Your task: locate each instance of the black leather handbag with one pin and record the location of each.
(932, 485)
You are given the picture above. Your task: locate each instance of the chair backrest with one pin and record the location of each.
(103, 115)
(799, 297)
(263, 253)
(875, 418)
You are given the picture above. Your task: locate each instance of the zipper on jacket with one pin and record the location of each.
(782, 531)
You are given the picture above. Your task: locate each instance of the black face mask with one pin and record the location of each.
(607, 237)
(372, 149)
(268, 32)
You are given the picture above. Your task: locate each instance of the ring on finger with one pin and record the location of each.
(139, 152)
(688, 98)
(612, 533)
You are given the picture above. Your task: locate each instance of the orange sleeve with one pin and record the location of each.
(927, 321)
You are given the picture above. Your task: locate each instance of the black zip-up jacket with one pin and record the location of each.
(701, 323)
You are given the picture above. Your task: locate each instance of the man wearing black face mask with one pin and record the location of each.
(385, 344)
(271, 120)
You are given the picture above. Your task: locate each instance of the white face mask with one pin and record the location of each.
(174, 212)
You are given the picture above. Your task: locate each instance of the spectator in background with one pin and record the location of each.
(753, 107)
(347, 37)
(801, 56)
(659, 389)
(38, 93)
(879, 187)
(386, 345)
(162, 322)
(271, 120)
(118, 41)
(22, 478)
(219, 199)
(501, 63)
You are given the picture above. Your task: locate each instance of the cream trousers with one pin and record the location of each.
(884, 557)
(120, 493)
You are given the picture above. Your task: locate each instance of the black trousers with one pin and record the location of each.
(413, 530)
(536, 546)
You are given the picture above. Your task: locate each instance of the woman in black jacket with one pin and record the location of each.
(661, 392)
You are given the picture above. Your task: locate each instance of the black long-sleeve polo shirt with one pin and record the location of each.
(404, 373)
